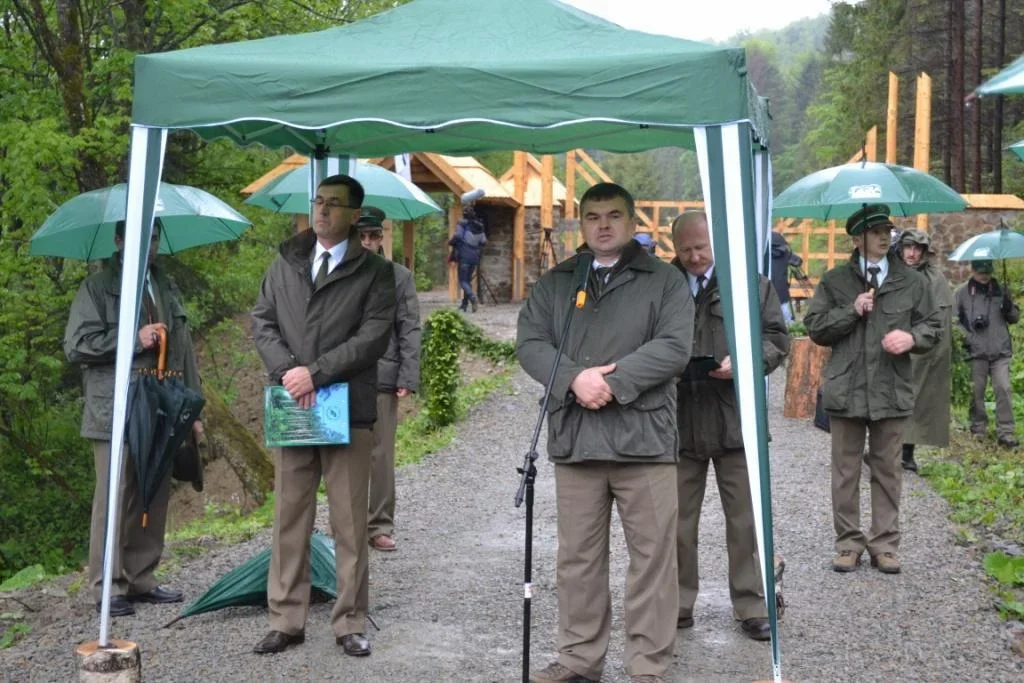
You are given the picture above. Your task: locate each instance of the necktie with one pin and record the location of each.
(321, 274)
(603, 274)
(873, 277)
(701, 281)
(152, 312)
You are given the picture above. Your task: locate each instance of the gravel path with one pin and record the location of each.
(449, 601)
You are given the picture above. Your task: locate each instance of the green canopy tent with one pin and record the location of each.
(1009, 81)
(468, 76)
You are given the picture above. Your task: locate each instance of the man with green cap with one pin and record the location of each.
(985, 311)
(873, 312)
(929, 424)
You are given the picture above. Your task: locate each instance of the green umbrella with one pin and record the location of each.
(398, 198)
(840, 191)
(1018, 149)
(83, 227)
(990, 246)
(1009, 81)
(247, 583)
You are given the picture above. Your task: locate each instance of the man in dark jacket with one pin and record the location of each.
(873, 311)
(468, 241)
(612, 436)
(709, 431)
(985, 310)
(782, 258)
(90, 339)
(324, 315)
(398, 376)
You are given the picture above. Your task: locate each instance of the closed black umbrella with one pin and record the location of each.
(161, 411)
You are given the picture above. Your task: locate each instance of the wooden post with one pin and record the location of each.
(119, 662)
(454, 216)
(871, 144)
(892, 119)
(409, 244)
(547, 199)
(570, 184)
(519, 227)
(803, 376)
(387, 244)
(923, 132)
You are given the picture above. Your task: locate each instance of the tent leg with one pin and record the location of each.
(726, 158)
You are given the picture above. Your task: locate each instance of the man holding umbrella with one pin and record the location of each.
(985, 311)
(90, 340)
(872, 312)
(929, 424)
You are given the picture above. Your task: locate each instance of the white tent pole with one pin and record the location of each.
(147, 146)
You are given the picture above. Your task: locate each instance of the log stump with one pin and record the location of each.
(803, 376)
(119, 662)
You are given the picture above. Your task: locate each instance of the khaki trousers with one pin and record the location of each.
(885, 445)
(645, 495)
(745, 587)
(999, 370)
(137, 551)
(382, 467)
(346, 473)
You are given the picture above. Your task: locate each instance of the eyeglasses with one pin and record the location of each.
(331, 203)
(375, 235)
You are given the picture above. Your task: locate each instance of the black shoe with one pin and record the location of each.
(1008, 442)
(276, 641)
(757, 628)
(354, 644)
(119, 606)
(158, 596)
(909, 464)
(684, 622)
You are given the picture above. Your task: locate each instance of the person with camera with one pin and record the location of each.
(873, 312)
(985, 311)
(467, 243)
(929, 424)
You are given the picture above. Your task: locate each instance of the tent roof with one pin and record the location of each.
(452, 76)
(1009, 81)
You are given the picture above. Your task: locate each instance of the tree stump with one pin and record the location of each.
(119, 662)
(803, 376)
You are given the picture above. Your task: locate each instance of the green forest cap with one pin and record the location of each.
(371, 218)
(982, 266)
(867, 218)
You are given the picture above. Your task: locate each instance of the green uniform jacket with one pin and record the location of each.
(930, 422)
(862, 380)
(400, 366)
(643, 322)
(709, 417)
(338, 331)
(90, 339)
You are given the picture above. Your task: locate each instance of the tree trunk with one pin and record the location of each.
(229, 439)
(979, 18)
(997, 119)
(955, 122)
(803, 376)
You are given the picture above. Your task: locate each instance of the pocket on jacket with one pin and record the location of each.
(897, 313)
(646, 428)
(836, 387)
(903, 383)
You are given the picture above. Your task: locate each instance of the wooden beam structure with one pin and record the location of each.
(547, 199)
(409, 244)
(519, 227)
(892, 119)
(923, 132)
(454, 216)
(388, 244)
(570, 184)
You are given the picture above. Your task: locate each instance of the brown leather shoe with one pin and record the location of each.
(845, 561)
(886, 563)
(557, 673)
(276, 641)
(354, 644)
(383, 543)
(757, 628)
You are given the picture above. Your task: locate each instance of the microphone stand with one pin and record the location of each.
(529, 472)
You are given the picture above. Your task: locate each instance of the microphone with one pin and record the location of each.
(472, 195)
(584, 262)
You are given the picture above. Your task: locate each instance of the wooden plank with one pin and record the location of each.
(519, 227)
(585, 158)
(892, 119)
(547, 191)
(582, 171)
(923, 132)
(388, 242)
(871, 144)
(570, 184)
(454, 216)
(803, 377)
(409, 244)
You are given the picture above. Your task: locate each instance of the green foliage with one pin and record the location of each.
(1005, 569)
(226, 525)
(13, 633)
(431, 247)
(798, 329)
(29, 576)
(228, 355)
(439, 366)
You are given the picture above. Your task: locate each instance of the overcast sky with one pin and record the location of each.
(702, 19)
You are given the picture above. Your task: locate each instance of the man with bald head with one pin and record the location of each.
(709, 432)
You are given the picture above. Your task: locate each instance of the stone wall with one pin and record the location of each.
(534, 236)
(949, 230)
(496, 259)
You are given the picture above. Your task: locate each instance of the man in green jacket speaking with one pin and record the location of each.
(90, 340)
(873, 311)
(612, 435)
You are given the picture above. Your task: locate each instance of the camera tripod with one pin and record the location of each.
(548, 255)
(482, 286)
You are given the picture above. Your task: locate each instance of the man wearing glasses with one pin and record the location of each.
(324, 315)
(873, 311)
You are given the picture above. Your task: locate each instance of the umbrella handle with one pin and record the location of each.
(161, 364)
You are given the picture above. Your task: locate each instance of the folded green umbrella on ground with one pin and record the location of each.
(247, 583)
